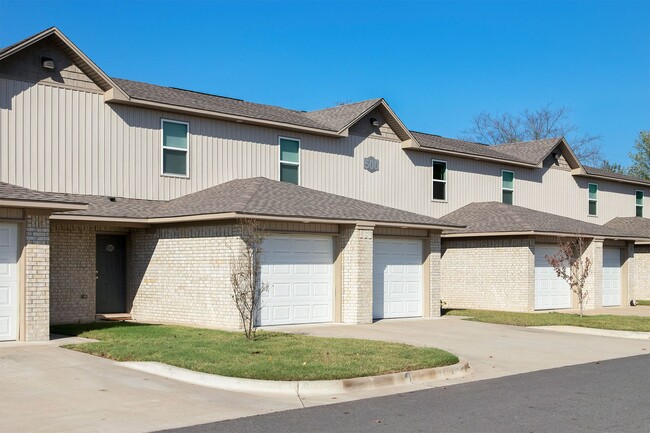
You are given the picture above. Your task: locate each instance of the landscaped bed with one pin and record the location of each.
(272, 356)
(644, 303)
(619, 323)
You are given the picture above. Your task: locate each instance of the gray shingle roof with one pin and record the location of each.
(14, 192)
(528, 152)
(605, 173)
(493, 217)
(634, 226)
(331, 119)
(533, 151)
(257, 196)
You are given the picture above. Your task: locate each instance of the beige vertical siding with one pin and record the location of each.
(66, 140)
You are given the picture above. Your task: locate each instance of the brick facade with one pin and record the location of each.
(73, 256)
(642, 274)
(356, 274)
(594, 282)
(182, 275)
(37, 277)
(488, 274)
(435, 273)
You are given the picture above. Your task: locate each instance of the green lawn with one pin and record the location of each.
(273, 356)
(620, 323)
(644, 303)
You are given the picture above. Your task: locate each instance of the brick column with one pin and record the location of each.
(37, 277)
(628, 274)
(435, 277)
(356, 272)
(594, 281)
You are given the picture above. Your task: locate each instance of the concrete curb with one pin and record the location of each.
(632, 335)
(302, 387)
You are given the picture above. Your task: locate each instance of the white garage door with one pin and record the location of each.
(397, 278)
(551, 292)
(611, 277)
(8, 282)
(299, 273)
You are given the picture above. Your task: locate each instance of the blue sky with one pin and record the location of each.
(436, 63)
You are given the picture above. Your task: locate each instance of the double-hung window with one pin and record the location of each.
(290, 160)
(439, 180)
(507, 186)
(175, 148)
(593, 199)
(639, 203)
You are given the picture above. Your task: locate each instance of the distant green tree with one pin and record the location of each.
(641, 156)
(614, 167)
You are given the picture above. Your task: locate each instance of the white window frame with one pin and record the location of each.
(280, 161)
(440, 181)
(636, 205)
(589, 199)
(508, 189)
(163, 148)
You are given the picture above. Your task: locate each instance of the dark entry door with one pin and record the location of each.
(111, 274)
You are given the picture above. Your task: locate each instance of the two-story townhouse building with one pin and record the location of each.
(123, 197)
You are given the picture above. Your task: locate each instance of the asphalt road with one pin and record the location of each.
(607, 396)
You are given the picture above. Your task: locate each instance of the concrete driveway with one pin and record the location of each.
(50, 389)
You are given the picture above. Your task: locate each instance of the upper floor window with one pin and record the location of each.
(290, 160)
(439, 180)
(593, 199)
(507, 186)
(639, 203)
(175, 148)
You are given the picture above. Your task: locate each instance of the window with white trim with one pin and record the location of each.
(507, 186)
(175, 148)
(593, 199)
(439, 169)
(290, 160)
(639, 203)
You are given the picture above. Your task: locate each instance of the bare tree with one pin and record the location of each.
(545, 122)
(245, 274)
(572, 266)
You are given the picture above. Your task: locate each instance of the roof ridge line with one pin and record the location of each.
(250, 196)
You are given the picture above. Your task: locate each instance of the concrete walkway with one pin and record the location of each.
(48, 389)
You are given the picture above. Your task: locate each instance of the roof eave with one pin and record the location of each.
(416, 146)
(583, 173)
(238, 215)
(540, 233)
(223, 116)
(42, 204)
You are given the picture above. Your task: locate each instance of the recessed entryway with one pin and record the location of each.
(397, 278)
(551, 291)
(110, 275)
(299, 273)
(8, 282)
(611, 277)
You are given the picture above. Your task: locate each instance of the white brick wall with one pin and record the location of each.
(37, 277)
(488, 274)
(72, 275)
(182, 275)
(642, 272)
(435, 276)
(356, 296)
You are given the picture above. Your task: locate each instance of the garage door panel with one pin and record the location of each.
(8, 282)
(397, 278)
(551, 292)
(302, 267)
(611, 277)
